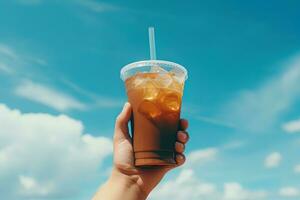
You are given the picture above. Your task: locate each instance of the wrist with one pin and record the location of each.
(127, 183)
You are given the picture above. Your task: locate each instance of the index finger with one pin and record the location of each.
(184, 124)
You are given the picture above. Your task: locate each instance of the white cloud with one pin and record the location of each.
(289, 192)
(297, 169)
(185, 186)
(5, 68)
(29, 2)
(234, 191)
(18, 63)
(29, 187)
(235, 144)
(97, 100)
(36, 60)
(48, 96)
(7, 51)
(292, 126)
(43, 155)
(97, 6)
(188, 186)
(273, 160)
(215, 121)
(92, 5)
(201, 156)
(258, 109)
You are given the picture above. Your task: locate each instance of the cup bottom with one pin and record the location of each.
(154, 158)
(154, 162)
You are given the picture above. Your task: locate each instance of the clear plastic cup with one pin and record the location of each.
(154, 89)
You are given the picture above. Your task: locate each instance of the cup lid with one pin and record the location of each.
(161, 63)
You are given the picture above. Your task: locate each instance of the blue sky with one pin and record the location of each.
(61, 91)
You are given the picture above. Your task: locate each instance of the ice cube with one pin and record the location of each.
(176, 85)
(151, 92)
(178, 75)
(138, 81)
(149, 109)
(158, 69)
(163, 80)
(171, 102)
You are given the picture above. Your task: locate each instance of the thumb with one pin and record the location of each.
(121, 125)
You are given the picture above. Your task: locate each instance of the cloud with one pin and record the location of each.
(215, 121)
(29, 187)
(297, 169)
(17, 63)
(234, 191)
(193, 110)
(201, 156)
(91, 5)
(48, 96)
(7, 51)
(185, 186)
(188, 186)
(19, 66)
(45, 156)
(273, 160)
(292, 126)
(96, 6)
(235, 144)
(97, 100)
(5, 68)
(36, 60)
(29, 2)
(289, 192)
(258, 109)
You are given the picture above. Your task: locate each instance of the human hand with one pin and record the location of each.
(144, 178)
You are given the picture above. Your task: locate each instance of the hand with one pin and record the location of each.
(145, 179)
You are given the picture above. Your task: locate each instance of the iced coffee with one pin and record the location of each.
(154, 90)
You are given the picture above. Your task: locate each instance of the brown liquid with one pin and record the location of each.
(156, 102)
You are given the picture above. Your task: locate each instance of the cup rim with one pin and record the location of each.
(151, 62)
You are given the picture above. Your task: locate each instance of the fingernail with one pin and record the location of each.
(183, 135)
(125, 104)
(180, 157)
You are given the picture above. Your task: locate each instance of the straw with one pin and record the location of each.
(152, 43)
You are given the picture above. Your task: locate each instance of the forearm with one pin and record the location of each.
(119, 186)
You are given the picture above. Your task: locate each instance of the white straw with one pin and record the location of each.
(152, 43)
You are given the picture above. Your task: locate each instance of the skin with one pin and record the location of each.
(126, 181)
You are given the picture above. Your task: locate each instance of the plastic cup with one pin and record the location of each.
(154, 89)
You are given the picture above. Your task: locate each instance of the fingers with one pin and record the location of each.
(179, 147)
(121, 125)
(182, 136)
(182, 139)
(180, 159)
(184, 124)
